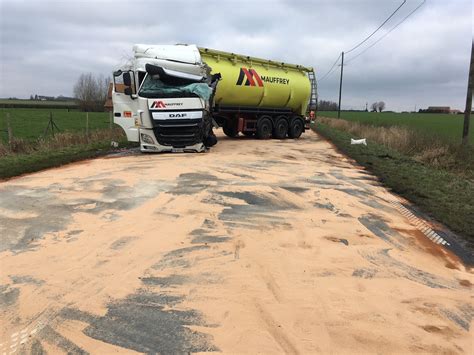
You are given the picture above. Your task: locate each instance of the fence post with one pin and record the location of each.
(51, 122)
(9, 130)
(87, 124)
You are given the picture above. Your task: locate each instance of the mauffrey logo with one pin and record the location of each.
(252, 77)
(158, 104)
(161, 104)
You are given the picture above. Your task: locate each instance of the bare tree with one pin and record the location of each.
(381, 106)
(374, 106)
(91, 91)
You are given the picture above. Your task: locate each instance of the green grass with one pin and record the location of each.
(34, 154)
(448, 197)
(18, 164)
(30, 123)
(445, 126)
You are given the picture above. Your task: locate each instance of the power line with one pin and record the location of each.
(330, 70)
(365, 40)
(386, 34)
(333, 66)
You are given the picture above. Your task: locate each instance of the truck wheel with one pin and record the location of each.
(264, 127)
(296, 128)
(230, 131)
(210, 140)
(281, 128)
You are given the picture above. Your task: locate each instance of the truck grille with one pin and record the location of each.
(178, 133)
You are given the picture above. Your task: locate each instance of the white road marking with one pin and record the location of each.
(420, 224)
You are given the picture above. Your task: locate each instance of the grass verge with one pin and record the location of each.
(28, 156)
(445, 126)
(446, 196)
(423, 147)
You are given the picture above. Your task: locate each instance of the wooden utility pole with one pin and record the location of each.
(340, 87)
(467, 111)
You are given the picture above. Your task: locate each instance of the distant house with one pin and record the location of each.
(455, 112)
(45, 98)
(438, 109)
(108, 106)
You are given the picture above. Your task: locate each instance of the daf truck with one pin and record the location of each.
(172, 96)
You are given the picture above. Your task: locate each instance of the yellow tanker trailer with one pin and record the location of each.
(171, 97)
(259, 96)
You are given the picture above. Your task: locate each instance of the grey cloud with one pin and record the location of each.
(46, 45)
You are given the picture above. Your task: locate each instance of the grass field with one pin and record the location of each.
(445, 126)
(29, 123)
(31, 150)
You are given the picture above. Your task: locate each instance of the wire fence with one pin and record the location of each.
(31, 124)
(22, 129)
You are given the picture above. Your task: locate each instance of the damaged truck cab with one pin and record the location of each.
(163, 100)
(171, 96)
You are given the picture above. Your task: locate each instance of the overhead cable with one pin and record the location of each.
(386, 34)
(330, 70)
(365, 40)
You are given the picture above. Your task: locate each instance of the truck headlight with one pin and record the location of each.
(147, 139)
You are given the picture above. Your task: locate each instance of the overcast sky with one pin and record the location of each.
(46, 45)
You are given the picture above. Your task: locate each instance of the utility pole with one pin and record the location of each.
(340, 87)
(467, 111)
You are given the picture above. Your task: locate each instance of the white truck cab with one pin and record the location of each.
(163, 100)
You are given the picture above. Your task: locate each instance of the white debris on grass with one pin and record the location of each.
(359, 141)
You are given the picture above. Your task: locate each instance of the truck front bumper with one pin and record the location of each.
(149, 143)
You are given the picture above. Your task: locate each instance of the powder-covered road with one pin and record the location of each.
(257, 246)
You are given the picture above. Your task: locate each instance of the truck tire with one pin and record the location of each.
(230, 131)
(264, 127)
(210, 140)
(296, 128)
(281, 128)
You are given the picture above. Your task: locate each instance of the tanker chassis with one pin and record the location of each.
(171, 97)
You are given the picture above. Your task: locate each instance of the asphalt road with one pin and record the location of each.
(257, 246)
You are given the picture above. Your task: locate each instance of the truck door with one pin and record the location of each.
(125, 103)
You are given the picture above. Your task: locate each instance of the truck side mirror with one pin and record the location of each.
(127, 90)
(127, 80)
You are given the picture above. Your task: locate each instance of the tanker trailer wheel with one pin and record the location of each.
(281, 128)
(230, 130)
(264, 127)
(296, 127)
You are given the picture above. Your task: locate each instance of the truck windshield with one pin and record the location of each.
(155, 88)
